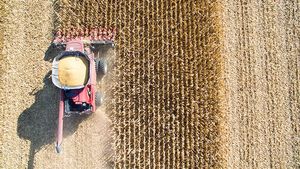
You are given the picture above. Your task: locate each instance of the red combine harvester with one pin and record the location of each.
(80, 46)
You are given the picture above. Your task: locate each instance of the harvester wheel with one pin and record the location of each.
(101, 67)
(98, 99)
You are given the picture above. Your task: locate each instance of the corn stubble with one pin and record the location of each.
(2, 14)
(165, 96)
(262, 65)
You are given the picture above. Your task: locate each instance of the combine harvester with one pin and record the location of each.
(76, 71)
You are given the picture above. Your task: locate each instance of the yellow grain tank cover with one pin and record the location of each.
(73, 71)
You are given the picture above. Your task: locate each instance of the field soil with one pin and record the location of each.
(191, 84)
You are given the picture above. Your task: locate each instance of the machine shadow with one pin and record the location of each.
(38, 123)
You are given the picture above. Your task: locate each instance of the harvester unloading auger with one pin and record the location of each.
(76, 69)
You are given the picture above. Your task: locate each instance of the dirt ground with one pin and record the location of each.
(193, 84)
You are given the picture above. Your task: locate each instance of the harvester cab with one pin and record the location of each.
(75, 72)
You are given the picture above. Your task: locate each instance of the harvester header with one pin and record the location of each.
(87, 35)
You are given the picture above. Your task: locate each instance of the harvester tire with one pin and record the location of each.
(98, 99)
(101, 67)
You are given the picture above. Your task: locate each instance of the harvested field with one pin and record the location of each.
(29, 100)
(193, 84)
(262, 56)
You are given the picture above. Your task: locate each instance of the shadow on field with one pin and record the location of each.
(38, 123)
